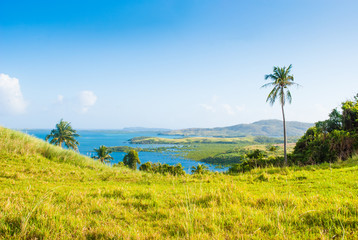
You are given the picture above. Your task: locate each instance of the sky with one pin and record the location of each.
(172, 63)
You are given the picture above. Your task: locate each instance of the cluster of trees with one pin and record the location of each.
(175, 170)
(332, 139)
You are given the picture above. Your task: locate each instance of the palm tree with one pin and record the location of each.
(103, 154)
(281, 80)
(200, 169)
(64, 134)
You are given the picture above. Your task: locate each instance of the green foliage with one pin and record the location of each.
(103, 154)
(125, 149)
(256, 154)
(119, 164)
(63, 133)
(175, 170)
(200, 169)
(280, 81)
(255, 159)
(131, 159)
(330, 140)
(264, 139)
(272, 148)
(350, 115)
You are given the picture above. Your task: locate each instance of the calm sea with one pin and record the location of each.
(91, 139)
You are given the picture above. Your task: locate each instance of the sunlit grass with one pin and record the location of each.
(50, 193)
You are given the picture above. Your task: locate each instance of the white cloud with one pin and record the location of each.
(207, 107)
(240, 108)
(86, 99)
(11, 99)
(60, 98)
(228, 109)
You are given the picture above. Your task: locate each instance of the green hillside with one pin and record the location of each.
(269, 128)
(50, 193)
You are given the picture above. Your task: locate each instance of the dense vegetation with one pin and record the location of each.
(51, 193)
(330, 140)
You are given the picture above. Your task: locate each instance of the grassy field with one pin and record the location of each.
(50, 193)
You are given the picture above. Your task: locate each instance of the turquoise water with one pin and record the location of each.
(90, 139)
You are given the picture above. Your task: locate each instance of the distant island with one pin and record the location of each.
(144, 129)
(268, 128)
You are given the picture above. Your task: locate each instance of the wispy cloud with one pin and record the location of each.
(11, 99)
(240, 108)
(229, 110)
(60, 98)
(207, 107)
(216, 106)
(86, 100)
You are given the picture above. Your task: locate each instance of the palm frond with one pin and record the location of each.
(281, 80)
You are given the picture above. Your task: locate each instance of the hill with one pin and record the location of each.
(51, 193)
(269, 128)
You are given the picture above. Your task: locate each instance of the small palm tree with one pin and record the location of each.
(280, 81)
(103, 154)
(200, 169)
(64, 133)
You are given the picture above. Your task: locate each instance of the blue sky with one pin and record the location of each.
(171, 64)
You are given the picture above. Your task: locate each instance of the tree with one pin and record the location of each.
(63, 133)
(131, 159)
(200, 169)
(103, 154)
(280, 81)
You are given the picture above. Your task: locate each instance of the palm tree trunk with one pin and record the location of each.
(284, 135)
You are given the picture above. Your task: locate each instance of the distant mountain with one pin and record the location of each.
(269, 128)
(143, 129)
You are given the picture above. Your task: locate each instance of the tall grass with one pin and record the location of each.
(15, 142)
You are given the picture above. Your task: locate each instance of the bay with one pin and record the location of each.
(91, 139)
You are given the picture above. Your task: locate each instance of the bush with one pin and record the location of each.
(248, 164)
